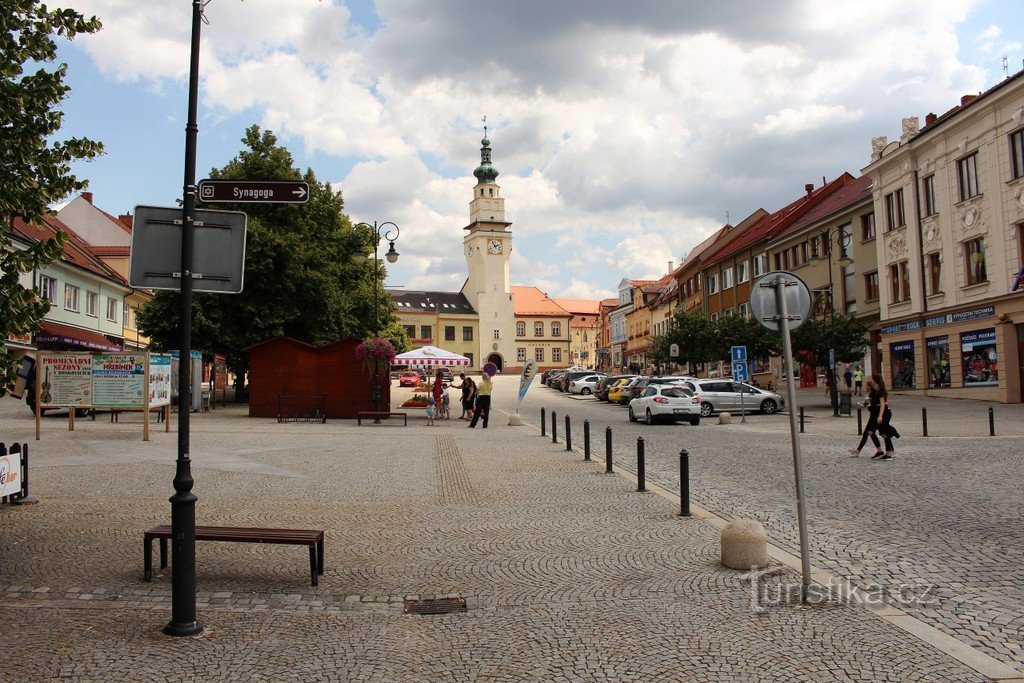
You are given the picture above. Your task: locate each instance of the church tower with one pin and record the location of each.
(488, 246)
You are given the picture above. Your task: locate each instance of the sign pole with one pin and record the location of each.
(145, 402)
(183, 503)
(787, 354)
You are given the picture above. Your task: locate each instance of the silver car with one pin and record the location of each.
(586, 384)
(724, 395)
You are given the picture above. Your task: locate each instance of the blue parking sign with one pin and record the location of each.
(739, 354)
(739, 370)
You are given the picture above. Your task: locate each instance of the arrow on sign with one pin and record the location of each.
(253, 191)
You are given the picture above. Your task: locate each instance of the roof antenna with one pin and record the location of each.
(485, 126)
(727, 216)
(1006, 67)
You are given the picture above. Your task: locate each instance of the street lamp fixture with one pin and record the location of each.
(387, 231)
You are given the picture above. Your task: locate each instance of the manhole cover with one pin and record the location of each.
(439, 606)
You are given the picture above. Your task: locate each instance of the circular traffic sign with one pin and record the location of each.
(764, 303)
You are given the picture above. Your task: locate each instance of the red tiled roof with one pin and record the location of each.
(532, 301)
(772, 224)
(111, 251)
(581, 306)
(77, 251)
(844, 197)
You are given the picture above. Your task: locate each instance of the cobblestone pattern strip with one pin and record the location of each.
(453, 482)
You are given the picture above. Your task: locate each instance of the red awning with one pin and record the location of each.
(57, 335)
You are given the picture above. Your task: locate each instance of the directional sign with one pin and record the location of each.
(739, 353)
(253, 191)
(673, 351)
(832, 358)
(739, 371)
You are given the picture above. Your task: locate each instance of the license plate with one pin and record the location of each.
(679, 410)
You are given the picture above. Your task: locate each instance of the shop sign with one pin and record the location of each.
(25, 339)
(901, 327)
(937, 342)
(902, 346)
(960, 316)
(10, 474)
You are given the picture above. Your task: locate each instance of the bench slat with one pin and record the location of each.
(245, 534)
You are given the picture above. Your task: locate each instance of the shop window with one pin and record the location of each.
(974, 261)
(934, 273)
(520, 329)
(449, 332)
(867, 226)
(470, 357)
(871, 286)
(938, 361)
(967, 177)
(556, 355)
(521, 355)
(467, 333)
(901, 355)
(538, 355)
(978, 358)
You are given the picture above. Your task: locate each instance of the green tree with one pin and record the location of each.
(300, 278)
(35, 169)
(735, 330)
(695, 335)
(821, 332)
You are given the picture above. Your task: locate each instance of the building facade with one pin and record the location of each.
(584, 330)
(950, 202)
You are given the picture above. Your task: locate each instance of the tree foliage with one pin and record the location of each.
(35, 169)
(300, 279)
(823, 332)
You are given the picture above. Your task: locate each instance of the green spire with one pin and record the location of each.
(485, 172)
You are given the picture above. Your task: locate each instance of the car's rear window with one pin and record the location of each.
(677, 392)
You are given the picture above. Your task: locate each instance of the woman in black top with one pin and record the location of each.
(872, 403)
(885, 427)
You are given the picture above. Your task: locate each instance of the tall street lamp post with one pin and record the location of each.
(387, 231)
(842, 240)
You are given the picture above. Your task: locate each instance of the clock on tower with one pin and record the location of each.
(494, 246)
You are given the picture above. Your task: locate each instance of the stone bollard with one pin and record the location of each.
(725, 418)
(744, 545)
(515, 420)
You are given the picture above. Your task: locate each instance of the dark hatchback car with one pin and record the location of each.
(570, 376)
(633, 389)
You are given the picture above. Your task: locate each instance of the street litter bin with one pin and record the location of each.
(845, 400)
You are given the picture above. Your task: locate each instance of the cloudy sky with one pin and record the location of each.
(625, 132)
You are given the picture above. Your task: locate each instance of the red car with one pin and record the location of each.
(409, 378)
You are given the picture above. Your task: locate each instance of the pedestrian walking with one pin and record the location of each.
(885, 427)
(848, 378)
(483, 400)
(872, 403)
(446, 410)
(468, 388)
(438, 388)
(858, 380)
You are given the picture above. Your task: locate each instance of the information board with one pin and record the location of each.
(118, 380)
(10, 474)
(66, 380)
(159, 381)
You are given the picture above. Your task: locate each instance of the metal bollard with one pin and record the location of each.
(641, 475)
(924, 421)
(801, 419)
(684, 483)
(991, 422)
(568, 434)
(554, 427)
(543, 423)
(608, 450)
(586, 440)
(860, 422)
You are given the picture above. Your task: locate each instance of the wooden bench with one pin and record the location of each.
(360, 416)
(308, 537)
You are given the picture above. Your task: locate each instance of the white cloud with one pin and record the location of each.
(623, 140)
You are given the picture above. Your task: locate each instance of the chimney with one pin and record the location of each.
(671, 267)
(87, 196)
(809, 188)
(930, 118)
(967, 99)
(125, 218)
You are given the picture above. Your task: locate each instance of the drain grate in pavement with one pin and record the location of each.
(438, 606)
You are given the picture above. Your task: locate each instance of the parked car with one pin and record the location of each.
(409, 378)
(554, 377)
(571, 376)
(633, 389)
(717, 395)
(585, 385)
(667, 403)
(544, 376)
(606, 383)
(615, 390)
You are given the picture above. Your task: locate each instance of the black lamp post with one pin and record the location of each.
(388, 231)
(842, 239)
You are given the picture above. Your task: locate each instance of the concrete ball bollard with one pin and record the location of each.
(725, 418)
(744, 545)
(515, 420)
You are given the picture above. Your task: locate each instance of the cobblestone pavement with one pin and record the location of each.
(944, 519)
(568, 573)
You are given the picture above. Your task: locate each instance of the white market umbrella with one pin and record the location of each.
(430, 357)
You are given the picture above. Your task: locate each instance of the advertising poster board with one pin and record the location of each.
(159, 381)
(65, 380)
(10, 474)
(118, 380)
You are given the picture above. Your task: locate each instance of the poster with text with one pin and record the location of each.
(118, 380)
(159, 380)
(66, 380)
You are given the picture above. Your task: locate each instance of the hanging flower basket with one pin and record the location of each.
(376, 354)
